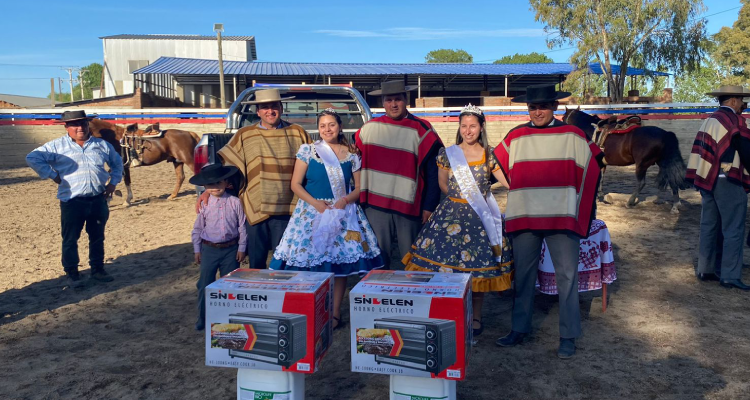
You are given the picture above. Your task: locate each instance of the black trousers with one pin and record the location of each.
(264, 237)
(91, 212)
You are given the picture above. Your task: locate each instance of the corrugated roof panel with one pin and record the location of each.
(190, 66)
(177, 37)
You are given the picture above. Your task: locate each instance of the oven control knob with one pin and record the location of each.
(283, 328)
(430, 334)
(431, 348)
(283, 342)
(282, 356)
(431, 363)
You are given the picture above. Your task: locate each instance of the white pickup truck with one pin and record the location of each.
(303, 110)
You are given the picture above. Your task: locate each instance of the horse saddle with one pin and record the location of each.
(152, 135)
(612, 125)
(620, 126)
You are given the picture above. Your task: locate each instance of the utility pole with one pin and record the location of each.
(70, 82)
(80, 82)
(218, 28)
(52, 91)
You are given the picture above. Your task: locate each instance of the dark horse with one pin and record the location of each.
(644, 147)
(112, 134)
(152, 146)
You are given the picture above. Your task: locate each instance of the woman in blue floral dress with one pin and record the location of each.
(454, 239)
(328, 233)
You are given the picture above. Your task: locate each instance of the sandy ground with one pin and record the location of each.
(664, 336)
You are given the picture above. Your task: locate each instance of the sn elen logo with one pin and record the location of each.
(385, 302)
(239, 296)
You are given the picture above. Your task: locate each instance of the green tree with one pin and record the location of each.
(530, 58)
(692, 87)
(61, 97)
(91, 79)
(666, 33)
(732, 51)
(583, 84)
(449, 56)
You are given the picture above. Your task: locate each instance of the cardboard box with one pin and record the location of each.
(411, 323)
(272, 320)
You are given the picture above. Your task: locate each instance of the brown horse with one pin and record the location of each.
(644, 147)
(152, 146)
(112, 134)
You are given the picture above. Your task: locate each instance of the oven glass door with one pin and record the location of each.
(414, 349)
(267, 342)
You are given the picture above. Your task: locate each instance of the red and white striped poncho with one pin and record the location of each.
(553, 173)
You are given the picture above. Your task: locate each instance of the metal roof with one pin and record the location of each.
(25, 101)
(192, 66)
(177, 37)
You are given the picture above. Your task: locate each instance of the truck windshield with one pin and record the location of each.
(304, 111)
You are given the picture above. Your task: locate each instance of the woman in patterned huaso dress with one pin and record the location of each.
(454, 239)
(351, 250)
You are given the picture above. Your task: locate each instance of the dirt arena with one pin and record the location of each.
(664, 336)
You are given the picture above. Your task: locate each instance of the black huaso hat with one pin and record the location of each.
(212, 174)
(68, 116)
(543, 93)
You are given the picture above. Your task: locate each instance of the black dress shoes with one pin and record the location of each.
(75, 281)
(704, 277)
(512, 339)
(735, 284)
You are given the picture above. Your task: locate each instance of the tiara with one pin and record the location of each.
(329, 110)
(470, 109)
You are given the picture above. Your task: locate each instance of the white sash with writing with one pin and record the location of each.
(329, 224)
(485, 207)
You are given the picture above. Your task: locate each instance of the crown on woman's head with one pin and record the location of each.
(472, 110)
(329, 110)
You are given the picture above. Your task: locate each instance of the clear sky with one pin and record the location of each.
(44, 34)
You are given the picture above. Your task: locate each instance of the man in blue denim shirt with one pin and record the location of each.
(76, 162)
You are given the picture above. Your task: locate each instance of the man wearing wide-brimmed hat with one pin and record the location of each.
(717, 168)
(553, 170)
(76, 162)
(265, 154)
(399, 178)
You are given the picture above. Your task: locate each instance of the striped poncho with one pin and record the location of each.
(266, 158)
(715, 138)
(553, 173)
(394, 158)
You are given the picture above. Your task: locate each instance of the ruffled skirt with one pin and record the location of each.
(454, 240)
(349, 253)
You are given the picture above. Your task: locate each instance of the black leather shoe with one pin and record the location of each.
(512, 339)
(735, 284)
(567, 348)
(478, 331)
(101, 276)
(704, 277)
(74, 280)
(200, 325)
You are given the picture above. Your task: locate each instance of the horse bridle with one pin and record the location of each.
(567, 115)
(132, 147)
(597, 129)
